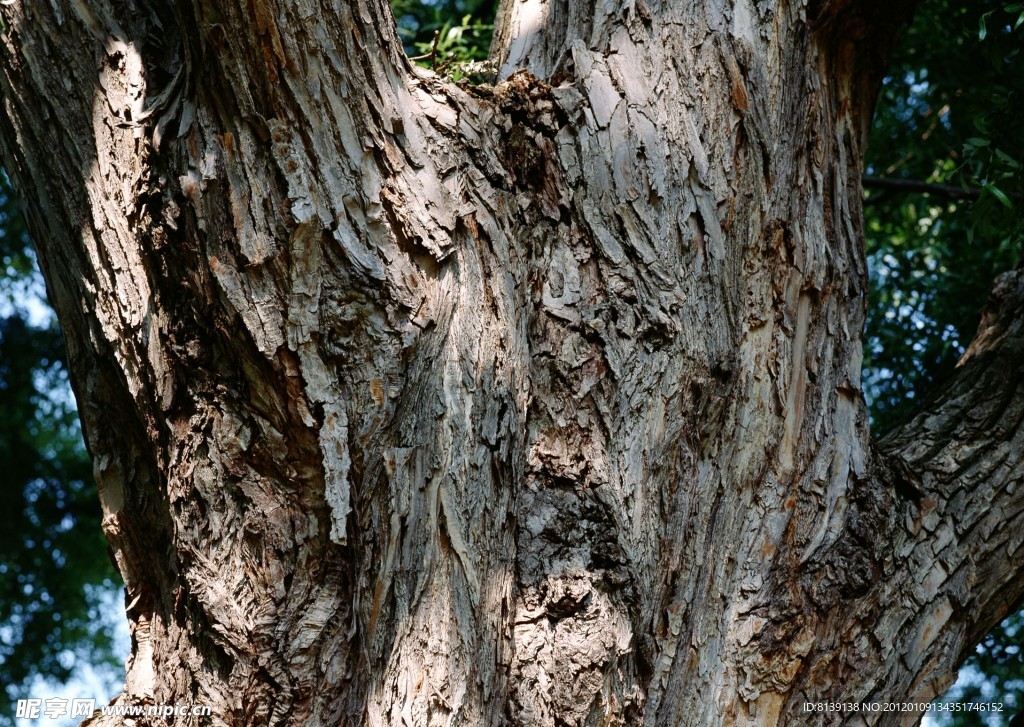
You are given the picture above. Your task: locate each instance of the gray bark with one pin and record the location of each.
(533, 404)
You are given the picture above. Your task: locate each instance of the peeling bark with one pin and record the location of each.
(532, 404)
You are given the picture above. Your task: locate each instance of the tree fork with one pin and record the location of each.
(536, 404)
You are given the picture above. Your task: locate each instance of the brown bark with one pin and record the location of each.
(536, 404)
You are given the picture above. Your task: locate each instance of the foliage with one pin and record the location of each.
(435, 40)
(54, 569)
(950, 112)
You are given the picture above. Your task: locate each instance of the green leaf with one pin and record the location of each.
(999, 194)
(1007, 159)
(982, 22)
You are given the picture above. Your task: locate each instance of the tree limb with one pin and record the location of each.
(916, 186)
(930, 559)
(967, 447)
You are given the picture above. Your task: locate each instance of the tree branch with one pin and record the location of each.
(967, 447)
(916, 186)
(931, 557)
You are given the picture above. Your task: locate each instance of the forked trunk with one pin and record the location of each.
(534, 404)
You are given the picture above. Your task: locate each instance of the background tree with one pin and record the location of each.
(541, 59)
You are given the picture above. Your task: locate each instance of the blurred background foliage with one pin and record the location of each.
(55, 576)
(949, 130)
(950, 114)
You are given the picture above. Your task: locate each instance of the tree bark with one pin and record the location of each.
(533, 404)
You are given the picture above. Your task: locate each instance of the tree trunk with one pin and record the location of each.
(533, 404)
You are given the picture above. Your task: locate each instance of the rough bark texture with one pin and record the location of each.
(533, 404)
